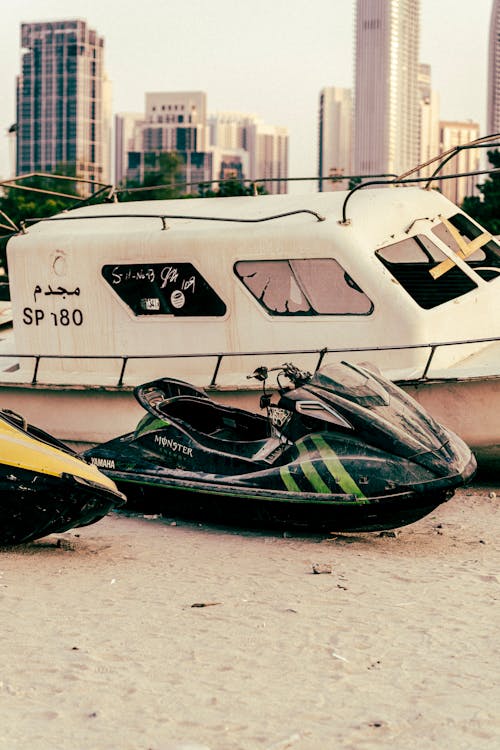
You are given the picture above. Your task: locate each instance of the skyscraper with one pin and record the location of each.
(453, 134)
(335, 136)
(62, 101)
(429, 119)
(493, 121)
(386, 130)
(125, 128)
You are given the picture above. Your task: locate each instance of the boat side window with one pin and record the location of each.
(176, 289)
(410, 262)
(486, 260)
(313, 286)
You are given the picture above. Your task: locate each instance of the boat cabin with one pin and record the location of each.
(124, 292)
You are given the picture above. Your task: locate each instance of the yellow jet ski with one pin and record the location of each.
(45, 487)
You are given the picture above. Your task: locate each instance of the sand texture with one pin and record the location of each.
(140, 634)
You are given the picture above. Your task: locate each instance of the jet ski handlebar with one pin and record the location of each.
(296, 376)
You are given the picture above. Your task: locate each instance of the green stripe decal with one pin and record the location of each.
(288, 480)
(336, 469)
(147, 424)
(311, 473)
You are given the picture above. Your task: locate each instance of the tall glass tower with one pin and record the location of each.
(61, 101)
(335, 137)
(386, 103)
(493, 121)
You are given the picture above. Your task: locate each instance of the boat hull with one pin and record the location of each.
(468, 407)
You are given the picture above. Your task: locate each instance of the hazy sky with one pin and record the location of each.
(268, 57)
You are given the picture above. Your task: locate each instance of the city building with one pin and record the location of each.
(453, 134)
(12, 143)
(334, 138)
(429, 119)
(173, 122)
(126, 124)
(193, 168)
(266, 146)
(493, 103)
(107, 129)
(222, 146)
(386, 121)
(229, 163)
(63, 101)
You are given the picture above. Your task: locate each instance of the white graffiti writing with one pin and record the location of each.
(169, 275)
(143, 273)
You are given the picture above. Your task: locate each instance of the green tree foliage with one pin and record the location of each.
(486, 210)
(354, 182)
(162, 178)
(229, 188)
(24, 203)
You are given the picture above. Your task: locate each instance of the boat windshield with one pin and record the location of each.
(412, 262)
(462, 236)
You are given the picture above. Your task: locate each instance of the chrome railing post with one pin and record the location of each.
(429, 360)
(216, 371)
(122, 371)
(35, 371)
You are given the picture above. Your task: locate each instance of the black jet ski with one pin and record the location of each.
(343, 448)
(45, 487)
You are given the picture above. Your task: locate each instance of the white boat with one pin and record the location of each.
(107, 296)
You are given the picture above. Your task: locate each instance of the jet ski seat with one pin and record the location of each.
(216, 420)
(224, 429)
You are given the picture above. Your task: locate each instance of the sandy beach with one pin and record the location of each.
(141, 633)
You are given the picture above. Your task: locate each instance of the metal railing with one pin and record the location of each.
(410, 181)
(125, 359)
(187, 217)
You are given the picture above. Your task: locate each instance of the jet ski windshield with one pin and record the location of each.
(400, 420)
(351, 383)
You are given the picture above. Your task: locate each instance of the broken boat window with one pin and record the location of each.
(176, 289)
(316, 286)
(486, 260)
(410, 262)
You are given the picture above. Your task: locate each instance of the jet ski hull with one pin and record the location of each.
(240, 500)
(45, 487)
(343, 449)
(33, 505)
(223, 504)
